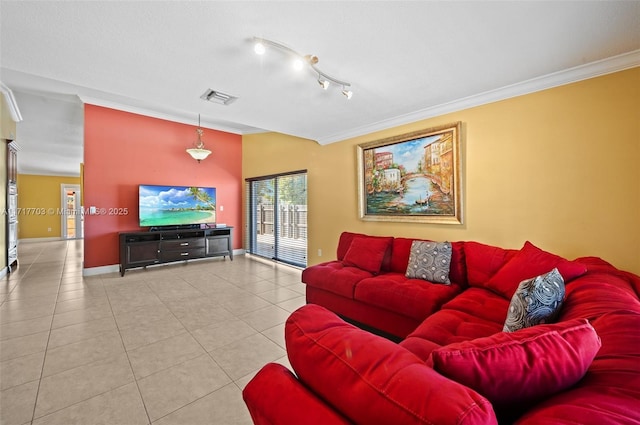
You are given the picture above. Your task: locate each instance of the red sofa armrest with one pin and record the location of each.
(275, 396)
(370, 380)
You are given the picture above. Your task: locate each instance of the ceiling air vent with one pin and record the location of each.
(218, 97)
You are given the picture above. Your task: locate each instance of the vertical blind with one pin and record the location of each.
(276, 217)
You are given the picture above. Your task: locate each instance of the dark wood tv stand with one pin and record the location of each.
(142, 249)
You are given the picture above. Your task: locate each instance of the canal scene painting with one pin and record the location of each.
(413, 177)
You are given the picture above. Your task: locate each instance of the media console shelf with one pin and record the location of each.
(142, 249)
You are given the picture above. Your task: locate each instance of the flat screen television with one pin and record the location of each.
(161, 206)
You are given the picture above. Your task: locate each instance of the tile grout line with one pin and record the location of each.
(42, 371)
(187, 331)
(232, 381)
(201, 346)
(126, 352)
(46, 348)
(18, 282)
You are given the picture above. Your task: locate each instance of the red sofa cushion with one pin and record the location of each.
(344, 242)
(415, 298)
(481, 303)
(446, 327)
(483, 261)
(530, 262)
(475, 313)
(522, 366)
(402, 249)
(334, 277)
(367, 253)
(609, 392)
(372, 380)
(390, 322)
(346, 238)
(598, 294)
(275, 395)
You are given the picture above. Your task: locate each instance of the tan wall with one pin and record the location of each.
(558, 167)
(39, 205)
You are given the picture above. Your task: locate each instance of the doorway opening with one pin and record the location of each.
(277, 217)
(71, 212)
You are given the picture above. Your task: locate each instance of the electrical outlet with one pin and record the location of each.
(48, 229)
(319, 252)
(221, 207)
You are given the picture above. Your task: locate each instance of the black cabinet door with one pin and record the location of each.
(218, 245)
(142, 252)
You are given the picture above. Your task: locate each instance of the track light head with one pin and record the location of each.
(348, 93)
(298, 64)
(311, 59)
(259, 48)
(323, 83)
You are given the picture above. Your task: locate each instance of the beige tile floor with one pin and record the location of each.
(173, 344)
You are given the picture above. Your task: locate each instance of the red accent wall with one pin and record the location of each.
(123, 150)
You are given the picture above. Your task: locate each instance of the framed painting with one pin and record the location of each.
(413, 177)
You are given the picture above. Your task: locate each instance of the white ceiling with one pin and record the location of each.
(405, 61)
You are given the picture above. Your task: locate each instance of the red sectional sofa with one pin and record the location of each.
(454, 364)
(381, 297)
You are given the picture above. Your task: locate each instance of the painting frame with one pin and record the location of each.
(388, 190)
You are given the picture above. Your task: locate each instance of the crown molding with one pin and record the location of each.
(560, 78)
(11, 103)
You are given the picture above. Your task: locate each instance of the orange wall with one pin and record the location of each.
(123, 150)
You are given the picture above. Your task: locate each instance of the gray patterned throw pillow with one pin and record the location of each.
(537, 300)
(430, 261)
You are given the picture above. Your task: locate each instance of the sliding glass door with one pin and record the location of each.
(277, 217)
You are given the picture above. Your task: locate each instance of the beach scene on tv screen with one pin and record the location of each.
(172, 205)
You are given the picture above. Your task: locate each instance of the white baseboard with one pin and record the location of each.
(4, 272)
(27, 240)
(92, 271)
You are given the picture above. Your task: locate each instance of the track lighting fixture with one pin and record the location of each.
(299, 60)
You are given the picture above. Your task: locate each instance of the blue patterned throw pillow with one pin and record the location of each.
(537, 300)
(430, 261)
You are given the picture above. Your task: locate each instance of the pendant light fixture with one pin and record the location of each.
(199, 152)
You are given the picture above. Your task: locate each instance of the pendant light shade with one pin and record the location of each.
(199, 152)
